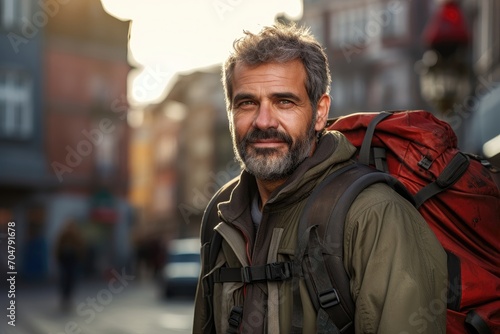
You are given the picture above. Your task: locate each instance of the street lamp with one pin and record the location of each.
(444, 68)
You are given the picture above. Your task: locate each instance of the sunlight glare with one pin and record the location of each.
(180, 36)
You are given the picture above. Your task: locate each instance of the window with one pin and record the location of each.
(486, 45)
(348, 28)
(397, 24)
(106, 154)
(357, 28)
(16, 109)
(12, 12)
(390, 86)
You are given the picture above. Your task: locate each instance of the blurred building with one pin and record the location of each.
(477, 116)
(63, 112)
(485, 29)
(86, 69)
(372, 47)
(375, 47)
(23, 164)
(186, 137)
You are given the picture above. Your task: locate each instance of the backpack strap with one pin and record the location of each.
(454, 296)
(364, 151)
(474, 323)
(450, 174)
(323, 267)
(316, 208)
(277, 271)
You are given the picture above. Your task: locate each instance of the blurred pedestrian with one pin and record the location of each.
(70, 250)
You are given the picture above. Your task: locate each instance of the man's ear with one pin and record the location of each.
(323, 108)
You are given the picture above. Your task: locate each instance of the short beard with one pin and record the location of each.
(266, 163)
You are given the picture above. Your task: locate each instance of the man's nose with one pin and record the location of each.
(266, 117)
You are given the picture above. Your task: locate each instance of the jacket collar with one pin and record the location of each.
(333, 148)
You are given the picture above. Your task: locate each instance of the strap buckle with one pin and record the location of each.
(235, 316)
(278, 271)
(328, 298)
(246, 274)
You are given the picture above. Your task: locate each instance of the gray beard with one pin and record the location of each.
(267, 163)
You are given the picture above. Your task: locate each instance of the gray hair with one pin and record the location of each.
(281, 43)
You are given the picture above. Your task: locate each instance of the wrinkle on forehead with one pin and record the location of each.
(283, 74)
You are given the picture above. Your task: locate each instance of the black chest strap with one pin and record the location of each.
(278, 271)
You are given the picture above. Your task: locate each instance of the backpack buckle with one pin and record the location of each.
(278, 271)
(246, 274)
(328, 298)
(235, 317)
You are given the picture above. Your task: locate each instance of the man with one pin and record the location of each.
(277, 95)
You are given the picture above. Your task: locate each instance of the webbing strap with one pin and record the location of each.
(325, 324)
(297, 315)
(364, 152)
(314, 208)
(475, 324)
(450, 174)
(341, 191)
(380, 159)
(327, 295)
(278, 271)
(273, 291)
(454, 281)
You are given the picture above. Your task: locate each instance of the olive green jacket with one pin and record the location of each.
(397, 267)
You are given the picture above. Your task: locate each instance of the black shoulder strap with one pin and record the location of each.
(326, 209)
(449, 175)
(364, 151)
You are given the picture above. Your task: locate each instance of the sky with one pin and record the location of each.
(170, 37)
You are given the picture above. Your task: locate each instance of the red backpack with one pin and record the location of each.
(454, 192)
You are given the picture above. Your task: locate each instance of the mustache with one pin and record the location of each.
(258, 134)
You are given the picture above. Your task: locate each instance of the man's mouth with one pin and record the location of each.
(267, 143)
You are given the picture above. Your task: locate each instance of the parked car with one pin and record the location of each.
(182, 268)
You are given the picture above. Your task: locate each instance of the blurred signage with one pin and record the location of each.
(447, 27)
(103, 209)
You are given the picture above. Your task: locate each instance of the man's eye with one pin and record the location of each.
(246, 104)
(286, 103)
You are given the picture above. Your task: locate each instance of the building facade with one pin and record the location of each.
(478, 114)
(187, 137)
(85, 62)
(375, 46)
(24, 176)
(63, 130)
(372, 46)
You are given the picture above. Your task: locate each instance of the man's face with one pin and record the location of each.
(271, 119)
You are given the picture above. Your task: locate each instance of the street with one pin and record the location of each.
(135, 307)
